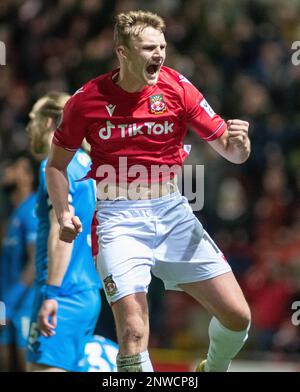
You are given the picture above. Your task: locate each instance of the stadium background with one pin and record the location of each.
(238, 53)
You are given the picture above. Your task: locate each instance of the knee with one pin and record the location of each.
(133, 332)
(238, 320)
(131, 335)
(243, 320)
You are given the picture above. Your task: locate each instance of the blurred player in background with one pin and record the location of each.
(140, 113)
(17, 261)
(99, 355)
(67, 300)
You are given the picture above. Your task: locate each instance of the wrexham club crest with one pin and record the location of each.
(157, 104)
(110, 286)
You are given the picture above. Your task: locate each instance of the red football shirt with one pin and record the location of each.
(145, 128)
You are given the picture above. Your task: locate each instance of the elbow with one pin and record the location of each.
(240, 154)
(238, 160)
(244, 158)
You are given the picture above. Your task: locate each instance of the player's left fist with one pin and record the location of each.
(238, 132)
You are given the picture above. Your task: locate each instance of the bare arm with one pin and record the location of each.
(58, 189)
(59, 256)
(234, 145)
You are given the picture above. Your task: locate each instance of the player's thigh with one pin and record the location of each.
(34, 367)
(125, 256)
(223, 298)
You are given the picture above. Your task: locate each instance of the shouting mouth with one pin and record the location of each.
(152, 70)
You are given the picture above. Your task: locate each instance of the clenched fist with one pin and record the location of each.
(238, 132)
(70, 227)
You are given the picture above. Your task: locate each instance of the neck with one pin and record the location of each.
(128, 83)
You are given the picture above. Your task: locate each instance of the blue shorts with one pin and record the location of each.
(16, 332)
(162, 236)
(77, 316)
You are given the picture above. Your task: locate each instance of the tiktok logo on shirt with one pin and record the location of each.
(130, 130)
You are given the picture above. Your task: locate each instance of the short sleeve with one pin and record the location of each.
(73, 125)
(200, 116)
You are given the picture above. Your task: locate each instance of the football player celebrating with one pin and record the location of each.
(135, 118)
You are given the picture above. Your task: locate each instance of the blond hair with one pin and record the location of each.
(132, 23)
(49, 106)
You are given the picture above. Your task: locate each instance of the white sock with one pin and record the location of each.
(134, 363)
(224, 346)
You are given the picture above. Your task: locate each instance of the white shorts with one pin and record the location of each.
(160, 235)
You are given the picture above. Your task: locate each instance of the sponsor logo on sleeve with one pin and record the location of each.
(183, 79)
(205, 105)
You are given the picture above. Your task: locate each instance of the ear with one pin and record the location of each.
(50, 123)
(121, 52)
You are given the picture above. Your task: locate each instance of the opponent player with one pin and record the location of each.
(135, 118)
(67, 300)
(17, 261)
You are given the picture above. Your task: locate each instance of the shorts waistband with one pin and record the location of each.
(145, 203)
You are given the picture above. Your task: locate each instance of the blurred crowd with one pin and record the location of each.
(238, 53)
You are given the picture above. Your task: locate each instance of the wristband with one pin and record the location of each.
(51, 291)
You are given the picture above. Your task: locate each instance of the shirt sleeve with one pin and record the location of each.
(200, 116)
(72, 128)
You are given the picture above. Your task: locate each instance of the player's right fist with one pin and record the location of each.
(70, 227)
